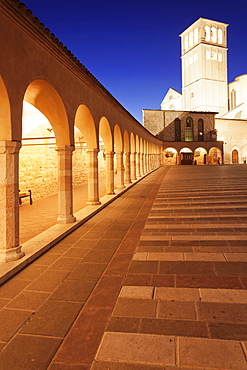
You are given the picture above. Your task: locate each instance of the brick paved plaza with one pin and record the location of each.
(156, 280)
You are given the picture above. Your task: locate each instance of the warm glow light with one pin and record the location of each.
(33, 119)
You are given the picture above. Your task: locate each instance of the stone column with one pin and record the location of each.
(65, 193)
(10, 250)
(92, 177)
(142, 164)
(160, 159)
(133, 166)
(138, 169)
(145, 163)
(120, 171)
(127, 169)
(150, 162)
(109, 173)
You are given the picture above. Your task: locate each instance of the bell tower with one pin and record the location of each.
(204, 66)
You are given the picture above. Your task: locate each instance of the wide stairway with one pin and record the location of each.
(184, 300)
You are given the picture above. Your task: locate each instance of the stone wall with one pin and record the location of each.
(38, 169)
(162, 123)
(153, 121)
(234, 134)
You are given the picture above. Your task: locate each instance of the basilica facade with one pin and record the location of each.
(207, 122)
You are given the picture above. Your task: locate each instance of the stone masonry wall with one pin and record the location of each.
(38, 169)
(153, 121)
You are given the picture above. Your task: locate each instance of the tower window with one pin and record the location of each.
(186, 43)
(220, 36)
(189, 132)
(200, 130)
(191, 39)
(196, 39)
(207, 33)
(177, 129)
(213, 34)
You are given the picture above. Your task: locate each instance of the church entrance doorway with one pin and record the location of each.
(235, 156)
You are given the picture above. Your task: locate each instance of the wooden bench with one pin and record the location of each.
(24, 194)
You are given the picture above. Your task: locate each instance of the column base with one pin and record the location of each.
(66, 219)
(120, 187)
(93, 202)
(110, 193)
(11, 254)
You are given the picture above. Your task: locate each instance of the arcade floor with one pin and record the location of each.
(156, 280)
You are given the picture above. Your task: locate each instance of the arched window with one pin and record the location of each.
(189, 132)
(220, 36)
(207, 33)
(200, 130)
(177, 129)
(196, 39)
(186, 43)
(213, 34)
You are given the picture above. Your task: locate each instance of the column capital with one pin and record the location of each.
(109, 154)
(65, 148)
(9, 147)
(92, 150)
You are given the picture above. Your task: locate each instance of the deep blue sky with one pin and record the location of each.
(133, 46)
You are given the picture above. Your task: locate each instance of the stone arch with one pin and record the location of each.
(43, 96)
(170, 156)
(126, 142)
(132, 143)
(186, 156)
(214, 156)
(85, 123)
(118, 139)
(133, 157)
(200, 156)
(106, 134)
(85, 158)
(5, 114)
(119, 158)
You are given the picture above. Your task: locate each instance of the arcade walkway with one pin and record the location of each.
(156, 280)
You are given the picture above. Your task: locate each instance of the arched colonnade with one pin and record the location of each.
(35, 67)
(136, 153)
(192, 153)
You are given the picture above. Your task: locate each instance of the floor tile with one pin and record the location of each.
(135, 307)
(54, 318)
(178, 294)
(28, 300)
(222, 312)
(211, 353)
(148, 349)
(180, 310)
(29, 352)
(73, 290)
